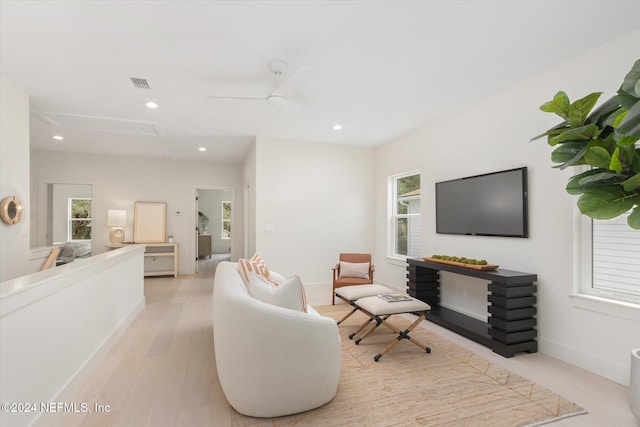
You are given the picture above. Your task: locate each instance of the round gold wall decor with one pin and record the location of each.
(11, 210)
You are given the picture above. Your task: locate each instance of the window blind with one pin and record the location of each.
(616, 256)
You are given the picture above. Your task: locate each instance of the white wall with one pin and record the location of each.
(249, 198)
(319, 200)
(14, 178)
(119, 181)
(494, 135)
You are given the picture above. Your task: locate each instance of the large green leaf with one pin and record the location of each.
(608, 143)
(582, 133)
(597, 157)
(616, 117)
(616, 164)
(626, 100)
(575, 186)
(579, 110)
(625, 159)
(569, 154)
(626, 141)
(606, 202)
(632, 183)
(600, 114)
(631, 83)
(628, 158)
(634, 218)
(558, 105)
(602, 178)
(630, 124)
(556, 130)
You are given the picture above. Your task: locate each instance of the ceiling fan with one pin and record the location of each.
(282, 90)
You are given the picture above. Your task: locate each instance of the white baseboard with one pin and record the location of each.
(586, 361)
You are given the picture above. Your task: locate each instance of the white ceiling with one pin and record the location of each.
(380, 68)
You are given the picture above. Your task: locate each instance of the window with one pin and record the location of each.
(79, 219)
(610, 259)
(405, 222)
(616, 258)
(226, 220)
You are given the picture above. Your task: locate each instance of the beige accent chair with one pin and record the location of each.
(340, 280)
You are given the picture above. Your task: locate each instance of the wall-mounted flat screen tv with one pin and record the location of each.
(492, 204)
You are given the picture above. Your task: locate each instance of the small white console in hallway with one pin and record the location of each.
(160, 259)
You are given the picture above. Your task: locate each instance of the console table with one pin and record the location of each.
(511, 326)
(153, 250)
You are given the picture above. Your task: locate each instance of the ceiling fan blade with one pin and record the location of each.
(242, 98)
(288, 86)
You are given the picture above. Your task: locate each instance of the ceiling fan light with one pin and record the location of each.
(278, 66)
(337, 126)
(276, 100)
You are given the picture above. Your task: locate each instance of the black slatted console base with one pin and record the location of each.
(511, 327)
(464, 325)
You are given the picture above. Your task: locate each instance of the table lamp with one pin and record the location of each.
(116, 219)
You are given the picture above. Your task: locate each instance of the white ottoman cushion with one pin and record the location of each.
(352, 293)
(378, 306)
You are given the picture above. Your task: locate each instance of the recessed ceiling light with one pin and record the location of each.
(337, 126)
(202, 149)
(58, 137)
(151, 104)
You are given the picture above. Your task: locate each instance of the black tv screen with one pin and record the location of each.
(492, 204)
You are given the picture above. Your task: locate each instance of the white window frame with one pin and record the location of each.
(584, 295)
(70, 220)
(392, 215)
(223, 220)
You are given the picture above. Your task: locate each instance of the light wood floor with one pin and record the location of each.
(162, 371)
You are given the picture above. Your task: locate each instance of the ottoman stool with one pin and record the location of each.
(350, 294)
(380, 310)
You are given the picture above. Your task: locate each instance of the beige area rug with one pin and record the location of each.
(450, 386)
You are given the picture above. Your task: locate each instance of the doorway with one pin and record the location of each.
(214, 227)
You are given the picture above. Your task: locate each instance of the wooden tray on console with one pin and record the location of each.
(460, 264)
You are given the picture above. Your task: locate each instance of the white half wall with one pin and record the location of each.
(55, 324)
(313, 201)
(494, 135)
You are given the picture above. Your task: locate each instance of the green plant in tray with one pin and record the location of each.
(463, 260)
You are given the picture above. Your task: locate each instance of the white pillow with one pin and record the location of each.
(289, 294)
(354, 269)
(275, 277)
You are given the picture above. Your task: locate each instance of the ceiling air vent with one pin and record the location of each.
(140, 83)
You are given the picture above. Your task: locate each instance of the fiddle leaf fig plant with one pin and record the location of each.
(203, 220)
(606, 140)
